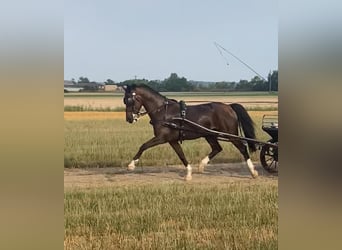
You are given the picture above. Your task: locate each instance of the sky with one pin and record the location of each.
(124, 39)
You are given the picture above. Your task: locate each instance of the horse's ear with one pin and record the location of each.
(124, 87)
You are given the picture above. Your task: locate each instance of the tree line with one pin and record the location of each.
(175, 83)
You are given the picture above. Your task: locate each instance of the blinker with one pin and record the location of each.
(129, 100)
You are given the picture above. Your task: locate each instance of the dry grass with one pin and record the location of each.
(94, 115)
(172, 216)
(115, 101)
(91, 115)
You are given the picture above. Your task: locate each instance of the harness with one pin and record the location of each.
(182, 108)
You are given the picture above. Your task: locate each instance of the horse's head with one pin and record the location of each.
(133, 104)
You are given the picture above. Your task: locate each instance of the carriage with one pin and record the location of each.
(269, 154)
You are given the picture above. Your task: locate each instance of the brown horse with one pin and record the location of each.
(216, 116)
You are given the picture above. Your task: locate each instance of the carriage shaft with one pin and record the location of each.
(220, 135)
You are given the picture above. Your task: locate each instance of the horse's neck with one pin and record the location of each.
(152, 101)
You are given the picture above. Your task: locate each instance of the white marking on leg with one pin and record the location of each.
(188, 176)
(252, 169)
(203, 163)
(131, 166)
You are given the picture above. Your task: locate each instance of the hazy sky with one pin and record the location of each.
(121, 39)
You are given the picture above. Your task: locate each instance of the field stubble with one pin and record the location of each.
(235, 215)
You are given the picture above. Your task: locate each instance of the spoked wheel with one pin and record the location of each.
(269, 158)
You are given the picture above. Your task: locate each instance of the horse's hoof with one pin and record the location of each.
(255, 174)
(131, 166)
(202, 164)
(188, 178)
(201, 169)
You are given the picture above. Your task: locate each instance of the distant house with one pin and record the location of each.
(67, 90)
(101, 86)
(70, 86)
(91, 86)
(111, 87)
(68, 82)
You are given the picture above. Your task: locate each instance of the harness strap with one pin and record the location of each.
(165, 104)
(182, 108)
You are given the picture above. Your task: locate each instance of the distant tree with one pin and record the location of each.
(73, 80)
(109, 82)
(243, 85)
(156, 85)
(134, 81)
(258, 84)
(224, 85)
(83, 80)
(175, 83)
(274, 80)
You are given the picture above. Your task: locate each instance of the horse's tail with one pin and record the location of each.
(245, 121)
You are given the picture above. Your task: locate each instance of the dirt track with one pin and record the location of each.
(216, 173)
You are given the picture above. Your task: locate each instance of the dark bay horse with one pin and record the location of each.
(216, 116)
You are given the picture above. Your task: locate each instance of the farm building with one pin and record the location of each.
(110, 87)
(72, 89)
(70, 86)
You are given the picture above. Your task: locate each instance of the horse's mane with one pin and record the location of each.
(146, 87)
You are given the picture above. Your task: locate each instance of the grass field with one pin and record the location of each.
(239, 215)
(105, 139)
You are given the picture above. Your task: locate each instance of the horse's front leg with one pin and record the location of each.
(151, 143)
(175, 145)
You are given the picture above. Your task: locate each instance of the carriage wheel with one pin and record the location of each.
(269, 158)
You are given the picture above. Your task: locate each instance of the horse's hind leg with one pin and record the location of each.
(215, 149)
(151, 143)
(179, 151)
(243, 149)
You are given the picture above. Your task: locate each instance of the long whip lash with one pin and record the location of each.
(220, 48)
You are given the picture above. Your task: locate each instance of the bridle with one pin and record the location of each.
(137, 114)
(130, 101)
